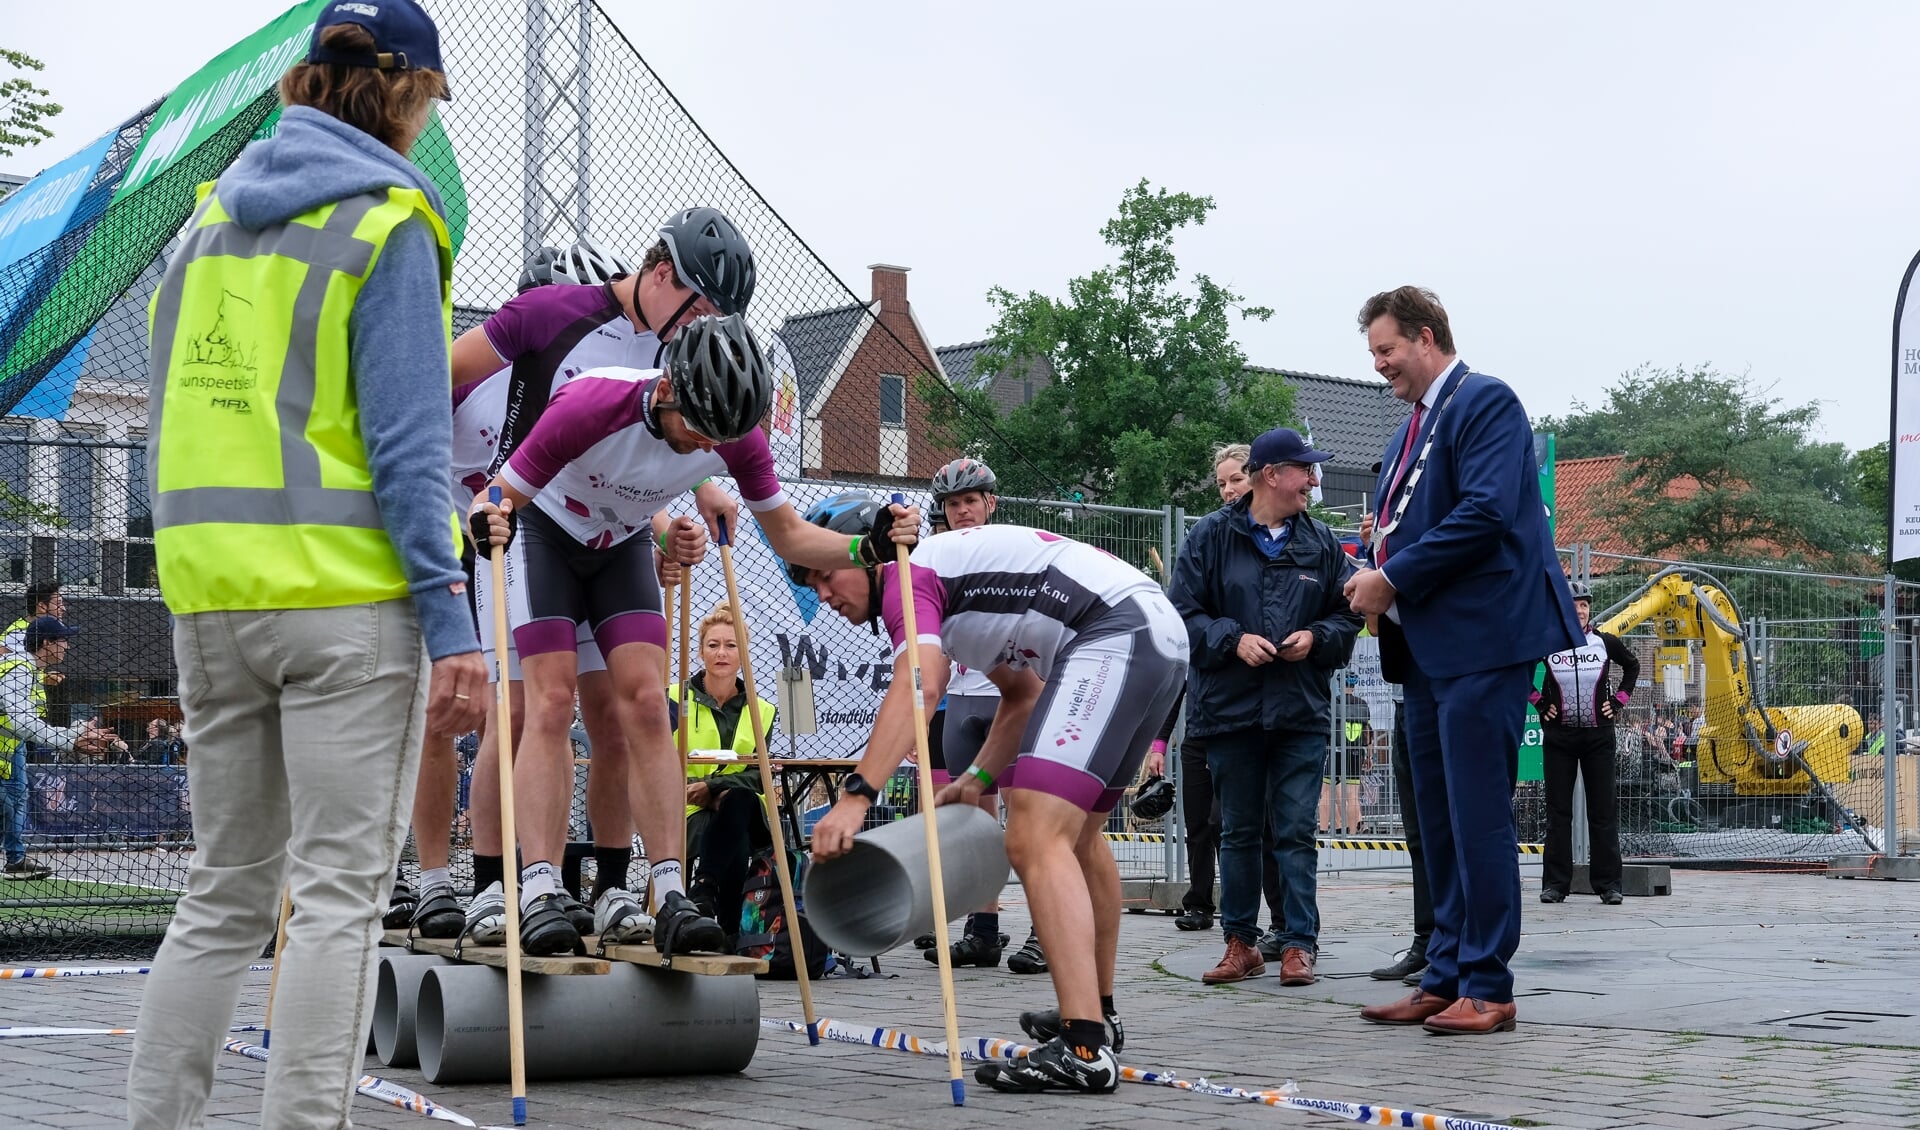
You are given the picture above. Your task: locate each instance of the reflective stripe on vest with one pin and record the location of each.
(253, 509)
(9, 741)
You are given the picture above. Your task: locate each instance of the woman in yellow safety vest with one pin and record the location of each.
(726, 815)
(299, 408)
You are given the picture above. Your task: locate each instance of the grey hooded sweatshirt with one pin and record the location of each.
(401, 371)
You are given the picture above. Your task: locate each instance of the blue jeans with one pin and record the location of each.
(16, 807)
(1268, 779)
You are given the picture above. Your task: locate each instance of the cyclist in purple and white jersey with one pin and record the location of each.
(611, 450)
(578, 309)
(1088, 655)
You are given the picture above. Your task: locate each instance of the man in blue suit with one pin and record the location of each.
(1469, 597)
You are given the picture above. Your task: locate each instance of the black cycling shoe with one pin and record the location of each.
(1054, 1067)
(545, 930)
(681, 928)
(1044, 1026)
(439, 914)
(400, 904)
(1029, 958)
(577, 912)
(971, 949)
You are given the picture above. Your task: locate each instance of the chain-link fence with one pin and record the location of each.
(559, 131)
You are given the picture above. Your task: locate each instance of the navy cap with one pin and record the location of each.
(46, 628)
(1283, 445)
(404, 36)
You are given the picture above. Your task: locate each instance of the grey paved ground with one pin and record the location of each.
(1741, 1001)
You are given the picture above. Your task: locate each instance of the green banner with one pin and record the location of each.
(217, 93)
(1533, 741)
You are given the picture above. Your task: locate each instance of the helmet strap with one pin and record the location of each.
(873, 600)
(651, 417)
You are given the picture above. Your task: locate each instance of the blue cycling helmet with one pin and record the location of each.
(849, 512)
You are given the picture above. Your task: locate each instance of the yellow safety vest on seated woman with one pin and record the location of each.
(262, 493)
(704, 734)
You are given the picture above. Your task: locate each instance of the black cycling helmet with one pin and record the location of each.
(712, 257)
(588, 263)
(1581, 591)
(961, 476)
(539, 269)
(721, 385)
(1153, 799)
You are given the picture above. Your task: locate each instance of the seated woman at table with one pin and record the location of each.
(726, 817)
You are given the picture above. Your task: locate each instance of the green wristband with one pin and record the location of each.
(662, 538)
(853, 549)
(986, 778)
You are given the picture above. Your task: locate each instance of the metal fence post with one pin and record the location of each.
(1889, 699)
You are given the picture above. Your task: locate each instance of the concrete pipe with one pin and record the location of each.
(396, 992)
(880, 895)
(632, 1021)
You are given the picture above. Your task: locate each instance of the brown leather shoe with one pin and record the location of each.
(1471, 1017)
(1242, 961)
(1409, 1010)
(1296, 966)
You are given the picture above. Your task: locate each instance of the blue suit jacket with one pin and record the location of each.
(1472, 561)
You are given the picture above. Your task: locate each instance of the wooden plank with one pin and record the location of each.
(707, 964)
(496, 956)
(704, 964)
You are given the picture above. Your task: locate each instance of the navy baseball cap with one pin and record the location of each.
(404, 36)
(46, 628)
(1283, 445)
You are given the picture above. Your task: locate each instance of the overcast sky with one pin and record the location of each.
(1587, 188)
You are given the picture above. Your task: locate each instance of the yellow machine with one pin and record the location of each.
(1760, 750)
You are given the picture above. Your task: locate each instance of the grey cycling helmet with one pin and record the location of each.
(1581, 591)
(588, 263)
(711, 257)
(539, 269)
(961, 476)
(721, 385)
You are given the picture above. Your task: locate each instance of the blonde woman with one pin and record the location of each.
(726, 816)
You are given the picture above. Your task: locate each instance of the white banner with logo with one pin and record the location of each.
(851, 667)
(1903, 445)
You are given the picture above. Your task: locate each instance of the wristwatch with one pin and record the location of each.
(856, 785)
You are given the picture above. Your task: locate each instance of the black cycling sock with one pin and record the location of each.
(982, 924)
(1084, 1037)
(488, 870)
(1106, 1006)
(609, 870)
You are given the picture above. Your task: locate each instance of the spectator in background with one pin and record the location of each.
(44, 598)
(163, 745)
(1346, 762)
(1876, 740)
(23, 701)
(1259, 584)
(1578, 702)
(726, 817)
(1199, 808)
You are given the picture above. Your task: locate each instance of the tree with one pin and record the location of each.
(24, 107)
(1765, 488)
(1149, 378)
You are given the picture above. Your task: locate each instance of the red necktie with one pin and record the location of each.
(1399, 473)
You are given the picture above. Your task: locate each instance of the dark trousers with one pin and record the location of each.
(1410, 823)
(1268, 780)
(1200, 808)
(724, 838)
(1588, 751)
(1463, 745)
(1201, 811)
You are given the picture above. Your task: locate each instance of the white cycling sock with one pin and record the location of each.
(536, 879)
(431, 877)
(666, 879)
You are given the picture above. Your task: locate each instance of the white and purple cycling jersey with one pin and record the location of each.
(561, 331)
(594, 466)
(1013, 595)
(1100, 634)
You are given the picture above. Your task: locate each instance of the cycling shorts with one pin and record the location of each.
(969, 717)
(564, 596)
